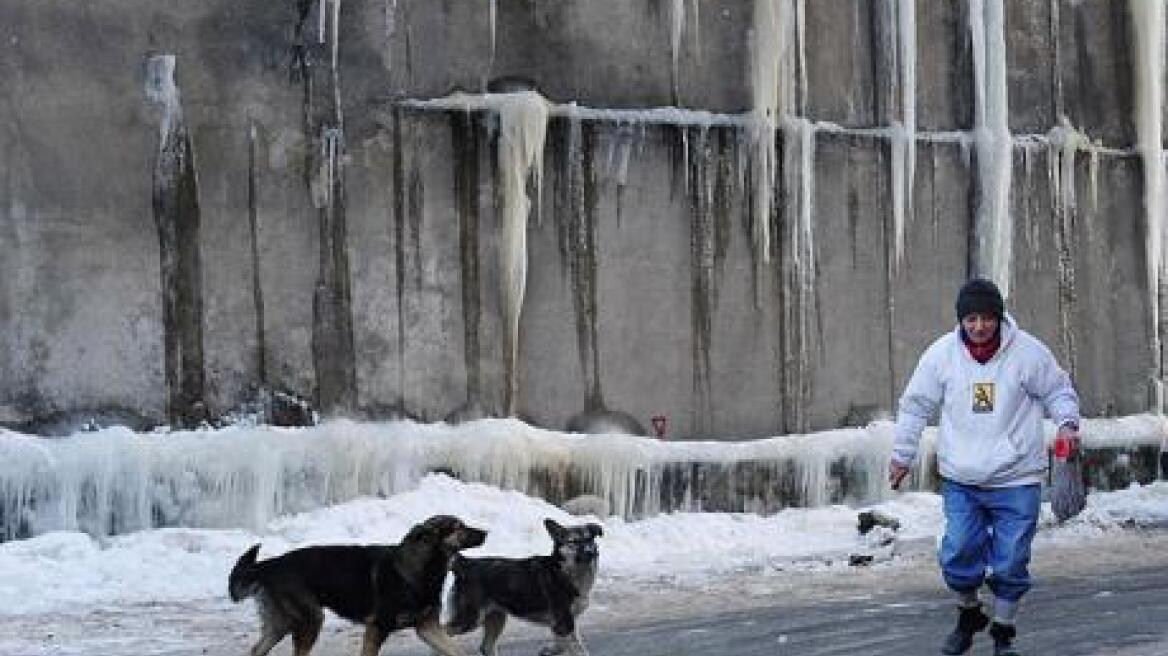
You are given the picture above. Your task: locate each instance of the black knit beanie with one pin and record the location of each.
(979, 295)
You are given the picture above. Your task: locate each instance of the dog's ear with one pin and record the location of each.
(420, 531)
(554, 529)
(595, 529)
(433, 529)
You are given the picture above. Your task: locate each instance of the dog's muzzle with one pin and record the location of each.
(471, 537)
(586, 553)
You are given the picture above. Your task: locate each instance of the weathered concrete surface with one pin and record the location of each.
(78, 249)
(645, 293)
(1072, 287)
(601, 54)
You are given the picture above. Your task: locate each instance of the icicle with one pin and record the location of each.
(1030, 222)
(494, 17)
(677, 28)
(695, 22)
(322, 184)
(805, 235)
(992, 136)
(161, 89)
(899, 147)
(1148, 60)
(523, 120)
(624, 150)
(335, 32)
(320, 20)
(800, 74)
(1093, 163)
(390, 7)
(1064, 144)
(776, 74)
(799, 299)
(903, 146)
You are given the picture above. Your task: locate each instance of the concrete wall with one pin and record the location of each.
(368, 278)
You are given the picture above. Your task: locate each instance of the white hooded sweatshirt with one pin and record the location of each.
(991, 414)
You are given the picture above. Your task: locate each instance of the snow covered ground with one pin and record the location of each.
(164, 591)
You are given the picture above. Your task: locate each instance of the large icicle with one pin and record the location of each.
(802, 131)
(903, 134)
(1148, 60)
(677, 29)
(994, 231)
(776, 76)
(523, 118)
(1064, 144)
(493, 18)
(162, 90)
(799, 296)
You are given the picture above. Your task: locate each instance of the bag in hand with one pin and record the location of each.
(1068, 493)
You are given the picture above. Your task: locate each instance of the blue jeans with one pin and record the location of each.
(988, 530)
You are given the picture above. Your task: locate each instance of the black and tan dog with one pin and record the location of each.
(384, 587)
(550, 590)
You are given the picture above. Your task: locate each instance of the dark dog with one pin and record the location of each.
(550, 590)
(384, 587)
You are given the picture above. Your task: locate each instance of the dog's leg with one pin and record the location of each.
(371, 641)
(304, 637)
(464, 620)
(568, 643)
(492, 628)
(268, 639)
(430, 631)
(575, 645)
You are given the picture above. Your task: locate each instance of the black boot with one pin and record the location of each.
(971, 620)
(1003, 635)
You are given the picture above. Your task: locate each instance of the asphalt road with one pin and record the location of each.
(1124, 613)
(1066, 617)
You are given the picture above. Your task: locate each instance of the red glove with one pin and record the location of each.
(1068, 490)
(1066, 442)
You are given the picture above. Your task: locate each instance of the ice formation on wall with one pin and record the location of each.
(1148, 60)
(994, 230)
(116, 481)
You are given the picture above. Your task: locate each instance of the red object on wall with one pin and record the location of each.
(660, 423)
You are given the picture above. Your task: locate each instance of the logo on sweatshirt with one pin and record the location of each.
(983, 397)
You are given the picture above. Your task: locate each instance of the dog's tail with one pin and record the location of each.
(243, 581)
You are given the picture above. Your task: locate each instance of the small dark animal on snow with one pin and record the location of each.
(549, 590)
(384, 587)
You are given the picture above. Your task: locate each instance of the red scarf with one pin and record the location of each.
(983, 352)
